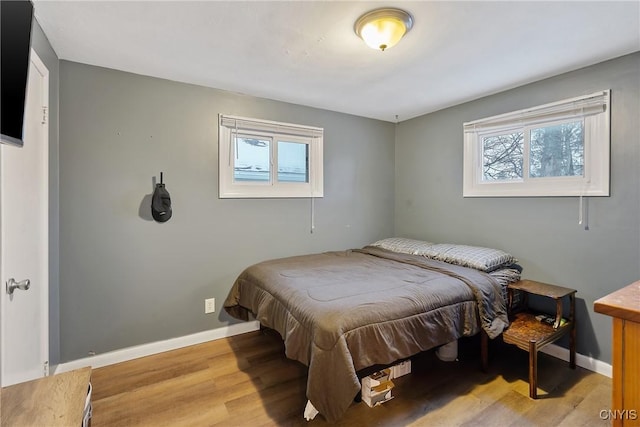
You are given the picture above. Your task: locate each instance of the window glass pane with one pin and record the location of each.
(251, 161)
(502, 157)
(557, 150)
(293, 162)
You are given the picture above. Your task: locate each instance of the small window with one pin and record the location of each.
(558, 149)
(260, 158)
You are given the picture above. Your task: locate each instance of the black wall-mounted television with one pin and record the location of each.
(15, 44)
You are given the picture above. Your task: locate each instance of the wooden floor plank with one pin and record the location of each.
(587, 413)
(247, 380)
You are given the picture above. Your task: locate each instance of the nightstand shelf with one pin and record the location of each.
(530, 334)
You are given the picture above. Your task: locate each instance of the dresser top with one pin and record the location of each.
(623, 303)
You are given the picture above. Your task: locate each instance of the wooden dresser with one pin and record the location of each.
(53, 401)
(624, 306)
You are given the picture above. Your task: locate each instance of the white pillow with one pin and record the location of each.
(403, 245)
(484, 259)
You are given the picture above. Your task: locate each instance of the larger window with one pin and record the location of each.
(260, 158)
(558, 149)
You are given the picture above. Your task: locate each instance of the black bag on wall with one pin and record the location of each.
(161, 204)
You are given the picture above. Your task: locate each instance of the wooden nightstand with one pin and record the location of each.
(530, 334)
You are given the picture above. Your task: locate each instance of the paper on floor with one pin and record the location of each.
(310, 411)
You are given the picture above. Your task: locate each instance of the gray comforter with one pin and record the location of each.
(339, 312)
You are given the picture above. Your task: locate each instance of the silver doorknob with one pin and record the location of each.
(12, 285)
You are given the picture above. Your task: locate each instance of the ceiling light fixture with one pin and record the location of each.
(383, 28)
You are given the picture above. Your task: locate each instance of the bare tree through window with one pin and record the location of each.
(557, 149)
(502, 156)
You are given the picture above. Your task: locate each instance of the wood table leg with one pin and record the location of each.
(484, 351)
(572, 333)
(572, 348)
(533, 370)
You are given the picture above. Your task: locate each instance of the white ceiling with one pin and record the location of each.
(306, 52)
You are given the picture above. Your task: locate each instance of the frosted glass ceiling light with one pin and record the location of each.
(383, 28)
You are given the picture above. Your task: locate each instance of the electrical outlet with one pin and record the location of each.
(209, 305)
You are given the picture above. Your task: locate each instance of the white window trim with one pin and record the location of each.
(229, 126)
(593, 109)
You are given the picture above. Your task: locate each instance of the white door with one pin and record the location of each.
(24, 242)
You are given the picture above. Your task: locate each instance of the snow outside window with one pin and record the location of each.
(260, 158)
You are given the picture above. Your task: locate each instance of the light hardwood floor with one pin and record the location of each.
(247, 381)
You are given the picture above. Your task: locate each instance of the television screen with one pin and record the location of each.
(15, 43)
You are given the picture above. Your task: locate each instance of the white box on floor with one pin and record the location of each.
(375, 397)
(376, 388)
(401, 369)
(376, 379)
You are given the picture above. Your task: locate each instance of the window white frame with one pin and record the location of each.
(231, 127)
(593, 110)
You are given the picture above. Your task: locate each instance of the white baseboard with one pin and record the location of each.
(583, 361)
(135, 352)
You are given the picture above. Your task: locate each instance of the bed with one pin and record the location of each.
(340, 312)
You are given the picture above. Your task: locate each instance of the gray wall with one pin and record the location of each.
(126, 280)
(542, 232)
(43, 48)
